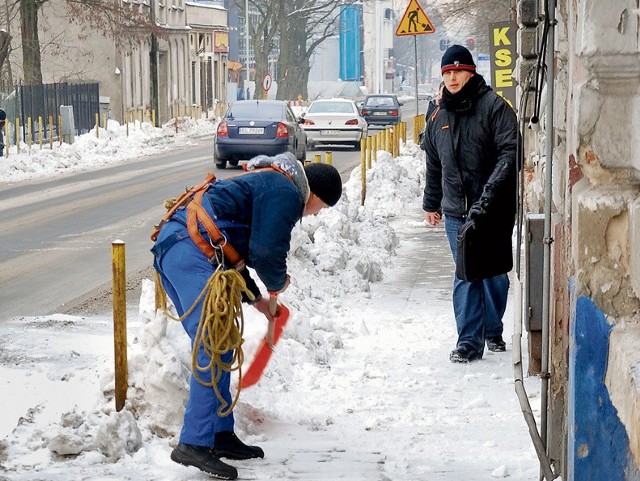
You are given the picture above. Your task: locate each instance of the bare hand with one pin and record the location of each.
(432, 218)
(263, 306)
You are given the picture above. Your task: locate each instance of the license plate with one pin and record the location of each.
(251, 130)
(379, 113)
(329, 132)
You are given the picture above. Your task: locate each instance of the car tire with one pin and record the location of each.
(221, 164)
(234, 163)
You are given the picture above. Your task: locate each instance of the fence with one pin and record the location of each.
(28, 103)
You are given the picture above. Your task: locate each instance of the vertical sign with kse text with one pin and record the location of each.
(502, 39)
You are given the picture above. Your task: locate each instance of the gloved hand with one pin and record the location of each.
(478, 210)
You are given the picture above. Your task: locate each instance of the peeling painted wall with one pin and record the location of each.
(596, 254)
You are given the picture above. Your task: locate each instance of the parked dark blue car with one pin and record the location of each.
(254, 127)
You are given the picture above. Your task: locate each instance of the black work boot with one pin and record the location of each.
(227, 445)
(496, 344)
(204, 459)
(462, 354)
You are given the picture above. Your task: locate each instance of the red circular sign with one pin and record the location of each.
(266, 82)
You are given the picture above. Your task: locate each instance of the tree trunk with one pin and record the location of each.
(293, 60)
(30, 42)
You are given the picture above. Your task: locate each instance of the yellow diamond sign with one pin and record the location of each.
(414, 21)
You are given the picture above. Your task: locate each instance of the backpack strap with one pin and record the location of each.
(181, 201)
(196, 213)
(192, 199)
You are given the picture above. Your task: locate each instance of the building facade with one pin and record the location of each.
(191, 48)
(582, 172)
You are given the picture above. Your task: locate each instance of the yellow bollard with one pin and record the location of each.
(363, 171)
(368, 152)
(6, 136)
(153, 117)
(160, 294)
(317, 158)
(18, 135)
(119, 322)
(374, 150)
(29, 132)
(97, 126)
(51, 131)
(329, 157)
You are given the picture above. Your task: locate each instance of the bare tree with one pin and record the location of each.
(127, 24)
(304, 25)
(297, 28)
(471, 19)
(263, 35)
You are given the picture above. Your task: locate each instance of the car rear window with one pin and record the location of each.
(330, 107)
(255, 110)
(380, 101)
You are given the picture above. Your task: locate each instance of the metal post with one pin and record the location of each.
(119, 323)
(246, 30)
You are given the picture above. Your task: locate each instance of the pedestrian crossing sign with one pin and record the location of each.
(414, 21)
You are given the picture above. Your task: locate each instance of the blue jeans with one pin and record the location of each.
(478, 306)
(184, 271)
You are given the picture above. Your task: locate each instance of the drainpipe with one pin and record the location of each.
(548, 240)
(540, 440)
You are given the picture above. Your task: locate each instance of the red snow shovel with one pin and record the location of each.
(274, 331)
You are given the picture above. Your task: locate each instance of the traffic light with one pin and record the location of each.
(471, 42)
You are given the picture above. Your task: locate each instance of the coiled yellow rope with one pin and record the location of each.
(220, 330)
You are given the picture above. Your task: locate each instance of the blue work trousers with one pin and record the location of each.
(184, 271)
(478, 306)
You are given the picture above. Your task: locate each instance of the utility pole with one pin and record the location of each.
(153, 65)
(246, 35)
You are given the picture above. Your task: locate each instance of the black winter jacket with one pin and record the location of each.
(471, 145)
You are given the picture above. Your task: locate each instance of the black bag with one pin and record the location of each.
(483, 251)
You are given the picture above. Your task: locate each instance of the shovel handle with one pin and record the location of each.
(273, 309)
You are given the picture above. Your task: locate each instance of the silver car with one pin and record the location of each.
(334, 121)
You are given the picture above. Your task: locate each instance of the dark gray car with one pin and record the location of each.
(255, 127)
(381, 109)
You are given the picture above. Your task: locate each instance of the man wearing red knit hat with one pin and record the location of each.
(471, 144)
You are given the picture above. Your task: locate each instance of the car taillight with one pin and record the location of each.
(282, 131)
(351, 122)
(308, 122)
(394, 113)
(222, 131)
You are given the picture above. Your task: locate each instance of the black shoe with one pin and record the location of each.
(203, 459)
(464, 354)
(496, 344)
(227, 445)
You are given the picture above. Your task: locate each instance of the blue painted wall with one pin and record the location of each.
(598, 446)
(350, 43)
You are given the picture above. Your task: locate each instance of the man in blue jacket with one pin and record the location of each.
(256, 212)
(471, 146)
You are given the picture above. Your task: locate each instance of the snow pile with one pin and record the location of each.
(349, 245)
(116, 143)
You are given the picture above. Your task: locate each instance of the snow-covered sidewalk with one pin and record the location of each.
(360, 387)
